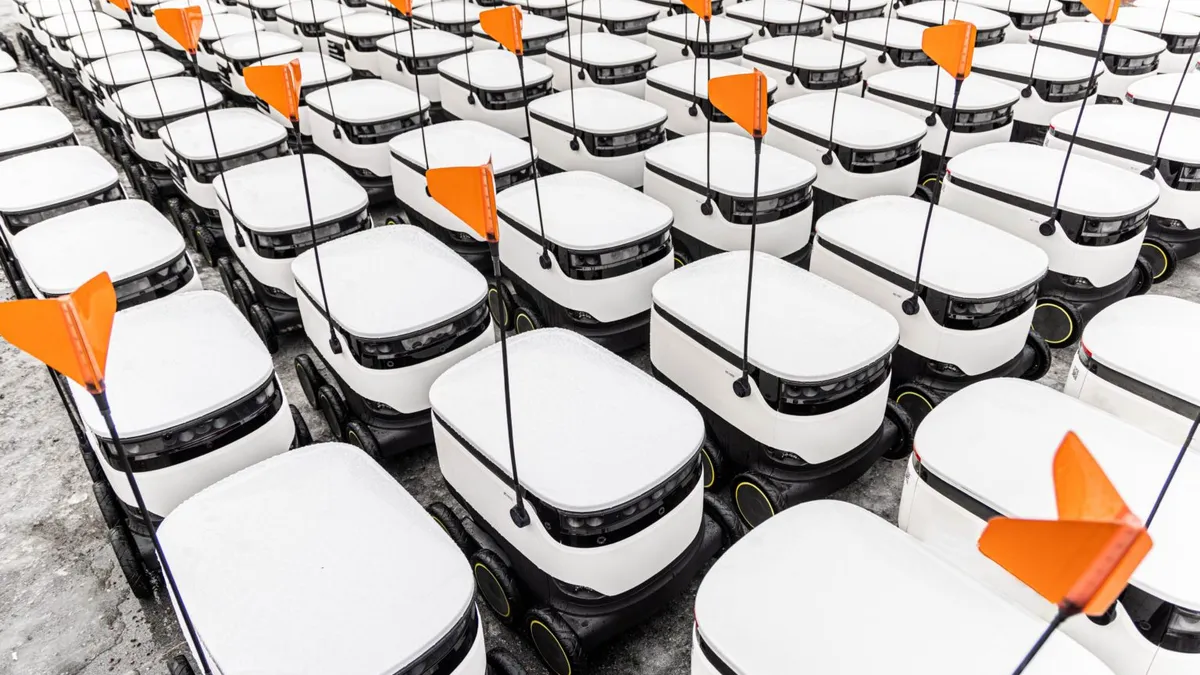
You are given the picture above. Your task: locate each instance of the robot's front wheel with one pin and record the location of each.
(555, 642)
(497, 585)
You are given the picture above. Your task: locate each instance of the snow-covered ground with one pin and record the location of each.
(65, 608)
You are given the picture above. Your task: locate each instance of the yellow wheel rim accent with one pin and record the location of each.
(712, 471)
(1161, 253)
(738, 502)
(679, 262)
(354, 439)
(1070, 323)
(493, 292)
(440, 523)
(528, 322)
(566, 659)
(507, 605)
(913, 393)
(391, 221)
(929, 180)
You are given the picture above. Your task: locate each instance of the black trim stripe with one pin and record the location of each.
(1157, 105)
(695, 336)
(712, 658)
(955, 495)
(1140, 389)
(700, 189)
(905, 100)
(1002, 196)
(862, 263)
(1116, 151)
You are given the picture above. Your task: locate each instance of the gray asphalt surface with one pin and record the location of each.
(65, 608)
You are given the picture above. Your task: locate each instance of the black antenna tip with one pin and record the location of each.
(334, 345)
(693, 110)
(580, 74)
(600, 28)
(471, 99)
(1027, 92)
(544, 260)
(882, 58)
(827, 158)
(1148, 172)
(574, 143)
(791, 78)
(828, 19)
(762, 32)
(337, 132)
(520, 516)
(684, 50)
(1047, 228)
(931, 120)
(706, 208)
(910, 306)
(741, 387)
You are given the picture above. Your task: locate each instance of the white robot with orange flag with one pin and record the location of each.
(795, 419)
(970, 287)
(267, 227)
(608, 527)
(1143, 621)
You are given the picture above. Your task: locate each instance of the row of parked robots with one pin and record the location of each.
(251, 131)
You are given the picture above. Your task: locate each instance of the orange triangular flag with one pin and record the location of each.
(183, 25)
(951, 46)
(279, 86)
(743, 98)
(468, 192)
(701, 8)
(122, 5)
(503, 24)
(1083, 560)
(1104, 10)
(69, 333)
(402, 6)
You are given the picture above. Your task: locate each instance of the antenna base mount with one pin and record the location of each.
(574, 144)
(544, 260)
(520, 516)
(910, 306)
(1027, 92)
(882, 58)
(470, 99)
(1148, 172)
(827, 158)
(1047, 228)
(334, 345)
(693, 110)
(706, 208)
(791, 78)
(741, 387)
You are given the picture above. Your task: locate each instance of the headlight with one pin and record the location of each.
(1183, 632)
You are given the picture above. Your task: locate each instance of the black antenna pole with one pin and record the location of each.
(706, 208)
(145, 61)
(334, 345)
(544, 258)
(412, 41)
(1027, 91)
(101, 399)
(574, 144)
(762, 27)
(1174, 467)
(827, 158)
(1047, 227)
(910, 305)
(519, 515)
(467, 58)
(791, 78)
(1148, 172)
(741, 386)
(887, 30)
(337, 133)
(1063, 614)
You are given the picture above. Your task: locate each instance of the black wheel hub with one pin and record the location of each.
(1053, 323)
(491, 591)
(752, 503)
(550, 649)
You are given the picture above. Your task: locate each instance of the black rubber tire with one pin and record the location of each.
(228, 274)
(555, 642)
(916, 400)
(130, 562)
(206, 243)
(755, 499)
(243, 298)
(1161, 258)
(525, 319)
(500, 662)
(1144, 279)
(149, 191)
(103, 138)
(1042, 359)
(92, 463)
(110, 508)
(261, 321)
(681, 257)
(499, 306)
(1057, 322)
(453, 527)
(359, 435)
(901, 444)
(309, 377)
(933, 185)
(111, 142)
(126, 162)
(924, 194)
(179, 665)
(173, 208)
(732, 527)
(333, 409)
(712, 465)
(303, 436)
(7, 46)
(497, 585)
